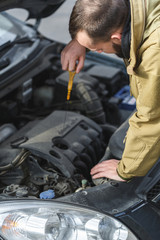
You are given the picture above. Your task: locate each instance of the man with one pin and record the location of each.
(130, 29)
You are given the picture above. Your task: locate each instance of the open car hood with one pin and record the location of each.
(36, 8)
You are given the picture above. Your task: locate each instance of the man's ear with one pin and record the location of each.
(116, 37)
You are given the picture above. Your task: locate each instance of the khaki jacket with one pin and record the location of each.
(142, 145)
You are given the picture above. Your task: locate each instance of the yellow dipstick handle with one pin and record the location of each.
(70, 83)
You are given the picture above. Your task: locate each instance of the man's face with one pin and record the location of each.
(101, 46)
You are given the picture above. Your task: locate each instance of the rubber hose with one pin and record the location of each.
(90, 101)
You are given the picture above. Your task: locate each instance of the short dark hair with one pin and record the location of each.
(99, 18)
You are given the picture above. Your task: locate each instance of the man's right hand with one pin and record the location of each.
(73, 56)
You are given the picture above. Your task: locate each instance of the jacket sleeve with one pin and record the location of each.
(142, 145)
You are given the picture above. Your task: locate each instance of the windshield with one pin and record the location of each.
(7, 30)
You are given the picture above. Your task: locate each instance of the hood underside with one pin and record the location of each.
(36, 8)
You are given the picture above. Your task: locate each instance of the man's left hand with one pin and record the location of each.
(106, 169)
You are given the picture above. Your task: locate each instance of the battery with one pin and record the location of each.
(126, 101)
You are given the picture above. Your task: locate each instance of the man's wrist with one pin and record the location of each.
(126, 179)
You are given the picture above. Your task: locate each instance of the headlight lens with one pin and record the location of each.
(50, 220)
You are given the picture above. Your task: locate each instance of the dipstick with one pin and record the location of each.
(70, 83)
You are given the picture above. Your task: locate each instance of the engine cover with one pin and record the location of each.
(68, 141)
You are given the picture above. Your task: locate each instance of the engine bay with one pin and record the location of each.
(47, 142)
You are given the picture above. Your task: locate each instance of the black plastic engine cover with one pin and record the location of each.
(69, 141)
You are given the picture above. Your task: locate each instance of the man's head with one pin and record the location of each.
(99, 21)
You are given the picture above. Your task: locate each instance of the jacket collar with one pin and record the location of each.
(137, 31)
(126, 35)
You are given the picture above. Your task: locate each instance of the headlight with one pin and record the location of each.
(50, 220)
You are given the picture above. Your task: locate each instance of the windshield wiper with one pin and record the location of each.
(4, 62)
(22, 40)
